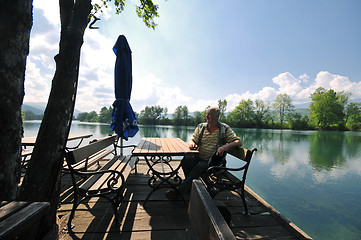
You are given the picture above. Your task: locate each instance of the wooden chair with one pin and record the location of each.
(220, 178)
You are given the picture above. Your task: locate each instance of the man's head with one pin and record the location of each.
(212, 115)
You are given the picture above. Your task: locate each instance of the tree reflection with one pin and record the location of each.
(326, 150)
(352, 145)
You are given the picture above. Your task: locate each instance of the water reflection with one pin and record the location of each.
(323, 150)
(326, 150)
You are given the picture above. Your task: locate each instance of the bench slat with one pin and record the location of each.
(10, 208)
(26, 152)
(83, 152)
(91, 161)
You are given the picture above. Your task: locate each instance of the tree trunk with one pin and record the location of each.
(41, 182)
(15, 25)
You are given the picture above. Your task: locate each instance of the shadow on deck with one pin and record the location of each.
(164, 219)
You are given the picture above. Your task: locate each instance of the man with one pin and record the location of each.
(210, 138)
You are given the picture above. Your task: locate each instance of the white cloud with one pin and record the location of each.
(151, 91)
(337, 83)
(51, 10)
(37, 86)
(287, 83)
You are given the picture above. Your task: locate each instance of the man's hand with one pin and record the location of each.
(227, 146)
(192, 145)
(220, 151)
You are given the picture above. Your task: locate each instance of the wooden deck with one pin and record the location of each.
(165, 219)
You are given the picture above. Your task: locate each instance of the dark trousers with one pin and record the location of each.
(193, 167)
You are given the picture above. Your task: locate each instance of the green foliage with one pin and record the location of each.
(29, 115)
(88, 117)
(146, 10)
(222, 105)
(249, 114)
(181, 116)
(105, 115)
(283, 104)
(298, 122)
(242, 115)
(353, 116)
(152, 115)
(262, 113)
(199, 117)
(326, 109)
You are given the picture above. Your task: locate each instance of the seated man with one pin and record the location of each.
(212, 137)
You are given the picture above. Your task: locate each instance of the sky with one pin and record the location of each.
(205, 50)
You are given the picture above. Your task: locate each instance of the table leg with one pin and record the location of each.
(164, 177)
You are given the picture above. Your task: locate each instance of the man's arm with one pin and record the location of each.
(227, 146)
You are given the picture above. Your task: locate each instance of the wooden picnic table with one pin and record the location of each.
(158, 153)
(30, 141)
(150, 147)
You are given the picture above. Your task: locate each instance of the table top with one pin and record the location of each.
(30, 141)
(163, 147)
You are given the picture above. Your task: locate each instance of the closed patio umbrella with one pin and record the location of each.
(124, 120)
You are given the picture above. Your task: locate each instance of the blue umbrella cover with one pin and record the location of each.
(124, 119)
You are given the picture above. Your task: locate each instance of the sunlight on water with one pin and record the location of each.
(311, 177)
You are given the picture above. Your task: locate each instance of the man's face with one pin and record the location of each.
(210, 117)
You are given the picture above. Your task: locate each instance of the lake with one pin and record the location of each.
(311, 177)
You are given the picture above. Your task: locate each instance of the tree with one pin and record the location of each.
(150, 115)
(242, 115)
(29, 115)
(105, 115)
(222, 105)
(353, 116)
(15, 25)
(261, 113)
(298, 122)
(326, 108)
(181, 115)
(41, 181)
(197, 118)
(283, 104)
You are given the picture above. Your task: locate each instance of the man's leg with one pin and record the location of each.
(193, 168)
(195, 173)
(188, 162)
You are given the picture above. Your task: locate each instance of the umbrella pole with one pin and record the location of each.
(121, 146)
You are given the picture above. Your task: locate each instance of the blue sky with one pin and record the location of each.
(205, 50)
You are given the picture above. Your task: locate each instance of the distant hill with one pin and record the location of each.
(38, 108)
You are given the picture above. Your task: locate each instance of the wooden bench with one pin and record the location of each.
(85, 159)
(107, 182)
(220, 178)
(25, 153)
(17, 218)
(205, 219)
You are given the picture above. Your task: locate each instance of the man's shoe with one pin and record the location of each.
(171, 194)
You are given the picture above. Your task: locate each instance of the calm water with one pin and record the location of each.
(313, 178)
